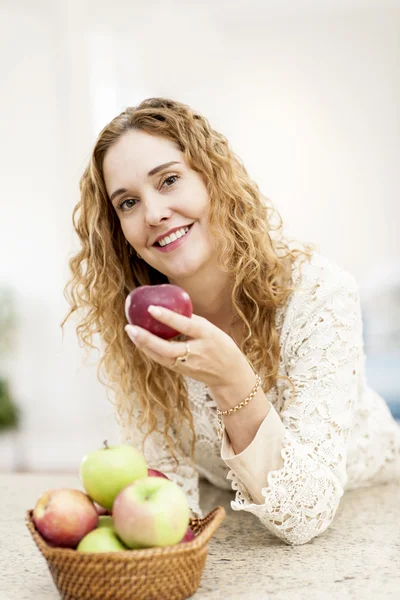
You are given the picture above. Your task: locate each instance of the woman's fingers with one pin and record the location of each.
(190, 326)
(164, 350)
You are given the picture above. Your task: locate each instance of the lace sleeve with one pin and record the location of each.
(322, 357)
(158, 456)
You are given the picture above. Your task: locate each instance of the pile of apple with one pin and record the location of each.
(126, 506)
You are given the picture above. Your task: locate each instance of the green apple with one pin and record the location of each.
(105, 472)
(105, 521)
(103, 539)
(151, 512)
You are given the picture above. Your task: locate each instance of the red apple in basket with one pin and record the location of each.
(151, 512)
(170, 296)
(64, 516)
(189, 536)
(101, 510)
(155, 473)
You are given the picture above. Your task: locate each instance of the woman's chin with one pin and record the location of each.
(182, 272)
(179, 266)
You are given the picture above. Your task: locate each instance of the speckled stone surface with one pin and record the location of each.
(357, 558)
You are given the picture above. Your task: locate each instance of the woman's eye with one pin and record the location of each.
(121, 205)
(130, 202)
(171, 180)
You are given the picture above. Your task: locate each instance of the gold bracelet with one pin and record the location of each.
(230, 411)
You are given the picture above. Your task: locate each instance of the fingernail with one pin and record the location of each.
(131, 331)
(154, 310)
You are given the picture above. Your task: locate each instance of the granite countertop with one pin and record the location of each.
(358, 557)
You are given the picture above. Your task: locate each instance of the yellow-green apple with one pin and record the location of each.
(168, 295)
(105, 521)
(151, 512)
(105, 472)
(64, 516)
(189, 536)
(101, 540)
(155, 473)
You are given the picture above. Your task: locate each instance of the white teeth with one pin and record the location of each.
(174, 236)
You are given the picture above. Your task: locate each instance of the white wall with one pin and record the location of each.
(65, 411)
(307, 94)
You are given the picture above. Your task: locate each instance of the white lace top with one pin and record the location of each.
(335, 433)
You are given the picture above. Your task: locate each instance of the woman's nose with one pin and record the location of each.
(156, 210)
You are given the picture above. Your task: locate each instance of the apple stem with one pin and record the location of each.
(105, 444)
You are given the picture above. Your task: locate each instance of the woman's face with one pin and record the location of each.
(152, 196)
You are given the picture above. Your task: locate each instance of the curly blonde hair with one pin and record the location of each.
(104, 271)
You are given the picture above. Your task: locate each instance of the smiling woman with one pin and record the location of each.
(153, 186)
(272, 358)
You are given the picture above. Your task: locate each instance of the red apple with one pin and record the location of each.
(155, 473)
(189, 536)
(64, 516)
(101, 510)
(167, 295)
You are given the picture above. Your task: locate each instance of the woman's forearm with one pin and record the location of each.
(242, 425)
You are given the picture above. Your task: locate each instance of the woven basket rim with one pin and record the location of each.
(214, 518)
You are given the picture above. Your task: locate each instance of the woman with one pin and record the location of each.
(272, 359)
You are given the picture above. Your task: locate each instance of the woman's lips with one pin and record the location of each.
(175, 244)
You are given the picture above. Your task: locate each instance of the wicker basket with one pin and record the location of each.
(170, 573)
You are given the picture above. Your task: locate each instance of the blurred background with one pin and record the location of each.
(307, 92)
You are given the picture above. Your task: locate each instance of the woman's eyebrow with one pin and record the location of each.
(149, 174)
(160, 167)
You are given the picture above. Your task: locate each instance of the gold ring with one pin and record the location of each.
(182, 358)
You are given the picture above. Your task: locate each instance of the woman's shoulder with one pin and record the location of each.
(319, 274)
(325, 295)
(318, 282)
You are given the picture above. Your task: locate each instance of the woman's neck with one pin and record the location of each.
(211, 297)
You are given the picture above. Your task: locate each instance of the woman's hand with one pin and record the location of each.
(214, 357)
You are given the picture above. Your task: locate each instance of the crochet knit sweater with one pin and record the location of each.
(333, 434)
